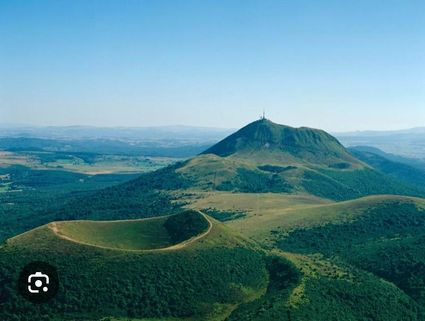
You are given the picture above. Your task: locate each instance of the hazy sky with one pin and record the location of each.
(336, 65)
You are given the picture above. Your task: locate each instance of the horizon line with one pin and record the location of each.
(29, 126)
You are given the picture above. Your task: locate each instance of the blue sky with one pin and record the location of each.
(336, 65)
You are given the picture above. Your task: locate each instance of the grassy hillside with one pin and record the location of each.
(403, 169)
(304, 144)
(385, 238)
(210, 172)
(268, 157)
(383, 235)
(144, 234)
(413, 162)
(269, 214)
(221, 276)
(131, 235)
(345, 185)
(329, 291)
(208, 277)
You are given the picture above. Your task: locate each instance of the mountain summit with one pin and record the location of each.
(267, 157)
(269, 140)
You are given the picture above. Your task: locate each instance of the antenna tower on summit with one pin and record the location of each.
(264, 114)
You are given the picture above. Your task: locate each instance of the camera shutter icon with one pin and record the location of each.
(41, 281)
(38, 282)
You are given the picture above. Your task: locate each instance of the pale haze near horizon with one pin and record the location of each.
(330, 65)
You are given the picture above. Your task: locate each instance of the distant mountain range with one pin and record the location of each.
(414, 131)
(407, 170)
(408, 143)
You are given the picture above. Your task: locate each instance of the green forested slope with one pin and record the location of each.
(407, 170)
(213, 273)
(387, 239)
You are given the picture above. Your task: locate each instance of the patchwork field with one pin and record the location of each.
(84, 162)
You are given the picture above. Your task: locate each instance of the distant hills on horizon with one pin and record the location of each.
(413, 130)
(182, 131)
(177, 132)
(407, 142)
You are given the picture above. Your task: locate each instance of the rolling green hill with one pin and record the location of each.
(207, 277)
(144, 234)
(219, 276)
(268, 157)
(360, 260)
(403, 169)
(331, 291)
(303, 145)
(413, 162)
(382, 236)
